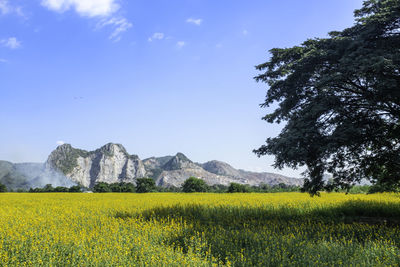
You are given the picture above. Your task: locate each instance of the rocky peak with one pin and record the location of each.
(220, 168)
(182, 157)
(64, 148)
(111, 148)
(179, 161)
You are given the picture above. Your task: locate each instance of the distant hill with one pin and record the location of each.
(112, 163)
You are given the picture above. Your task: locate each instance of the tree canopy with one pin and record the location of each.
(145, 185)
(193, 184)
(3, 188)
(340, 99)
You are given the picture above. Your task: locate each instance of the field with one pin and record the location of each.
(168, 229)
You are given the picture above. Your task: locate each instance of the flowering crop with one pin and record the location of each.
(176, 229)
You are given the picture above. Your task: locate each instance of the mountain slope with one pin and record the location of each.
(112, 163)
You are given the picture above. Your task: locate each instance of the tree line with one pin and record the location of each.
(147, 185)
(191, 185)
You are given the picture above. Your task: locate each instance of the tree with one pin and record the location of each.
(238, 188)
(48, 188)
(3, 188)
(61, 189)
(101, 187)
(193, 184)
(75, 189)
(122, 187)
(340, 99)
(145, 185)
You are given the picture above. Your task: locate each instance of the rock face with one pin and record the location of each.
(110, 163)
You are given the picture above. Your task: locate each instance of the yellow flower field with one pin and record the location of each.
(177, 229)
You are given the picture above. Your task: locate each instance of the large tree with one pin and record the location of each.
(340, 99)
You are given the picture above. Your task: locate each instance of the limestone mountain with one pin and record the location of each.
(112, 163)
(220, 168)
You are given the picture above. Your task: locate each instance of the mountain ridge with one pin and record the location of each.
(112, 163)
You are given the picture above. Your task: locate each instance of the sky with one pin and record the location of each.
(157, 76)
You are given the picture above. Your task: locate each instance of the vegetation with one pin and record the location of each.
(340, 99)
(193, 184)
(102, 187)
(3, 188)
(145, 185)
(121, 187)
(238, 188)
(50, 189)
(289, 229)
(70, 160)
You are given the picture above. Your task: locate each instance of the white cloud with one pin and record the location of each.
(245, 32)
(11, 43)
(6, 8)
(60, 143)
(103, 9)
(89, 8)
(156, 36)
(120, 25)
(180, 44)
(194, 21)
(2, 60)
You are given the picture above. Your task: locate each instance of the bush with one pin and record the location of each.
(145, 185)
(193, 184)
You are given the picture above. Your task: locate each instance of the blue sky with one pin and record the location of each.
(159, 77)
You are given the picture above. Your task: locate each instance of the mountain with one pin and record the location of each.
(112, 163)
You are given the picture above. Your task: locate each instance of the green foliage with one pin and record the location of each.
(340, 98)
(381, 187)
(238, 188)
(145, 185)
(50, 189)
(3, 188)
(61, 189)
(193, 184)
(218, 188)
(70, 161)
(75, 189)
(123, 187)
(102, 187)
